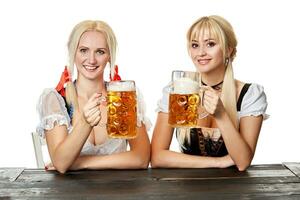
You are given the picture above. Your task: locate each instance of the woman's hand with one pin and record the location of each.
(225, 161)
(91, 110)
(49, 167)
(77, 165)
(212, 101)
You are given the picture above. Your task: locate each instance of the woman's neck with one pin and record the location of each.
(213, 77)
(86, 88)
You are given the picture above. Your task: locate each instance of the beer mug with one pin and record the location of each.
(121, 113)
(185, 108)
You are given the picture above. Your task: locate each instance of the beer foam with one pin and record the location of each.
(185, 86)
(120, 86)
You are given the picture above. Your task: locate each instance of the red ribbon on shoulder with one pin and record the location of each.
(116, 76)
(65, 77)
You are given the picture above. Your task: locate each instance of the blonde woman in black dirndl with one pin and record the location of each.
(236, 109)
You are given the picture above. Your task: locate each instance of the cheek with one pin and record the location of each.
(220, 57)
(78, 58)
(217, 54)
(103, 59)
(192, 53)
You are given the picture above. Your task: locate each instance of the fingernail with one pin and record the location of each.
(46, 168)
(102, 99)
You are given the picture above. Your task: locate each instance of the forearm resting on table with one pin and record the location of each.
(171, 159)
(64, 151)
(237, 146)
(124, 160)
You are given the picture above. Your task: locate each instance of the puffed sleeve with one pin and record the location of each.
(52, 111)
(163, 103)
(141, 111)
(254, 102)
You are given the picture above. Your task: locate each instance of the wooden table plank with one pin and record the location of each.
(253, 171)
(258, 182)
(155, 190)
(294, 167)
(10, 174)
(252, 174)
(33, 175)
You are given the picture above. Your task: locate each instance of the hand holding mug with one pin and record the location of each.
(91, 110)
(211, 101)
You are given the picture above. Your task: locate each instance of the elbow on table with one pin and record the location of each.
(242, 167)
(245, 162)
(62, 171)
(142, 163)
(60, 168)
(156, 161)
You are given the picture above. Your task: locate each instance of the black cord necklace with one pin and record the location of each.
(215, 87)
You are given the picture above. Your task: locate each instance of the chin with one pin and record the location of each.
(203, 69)
(90, 76)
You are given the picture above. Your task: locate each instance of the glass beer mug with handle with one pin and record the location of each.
(185, 109)
(121, 114)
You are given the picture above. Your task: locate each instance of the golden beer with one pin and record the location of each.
(121, 114)
(183, 110)
(184, 99)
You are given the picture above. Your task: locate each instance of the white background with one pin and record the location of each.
(151, 36)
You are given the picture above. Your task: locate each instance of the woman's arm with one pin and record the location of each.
(240, 144)
(136, 158)
(161, 156)
(64, 148)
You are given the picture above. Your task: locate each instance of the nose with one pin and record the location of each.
(92, 58)
(202, 51)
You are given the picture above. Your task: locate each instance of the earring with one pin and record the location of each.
(226, 61)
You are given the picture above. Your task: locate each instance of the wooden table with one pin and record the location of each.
(276, 181)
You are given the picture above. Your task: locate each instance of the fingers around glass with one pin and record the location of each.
(202, 112)
(101, 100)
(94, 119)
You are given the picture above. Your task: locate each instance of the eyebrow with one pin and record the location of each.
(101, 48)
(206, 40)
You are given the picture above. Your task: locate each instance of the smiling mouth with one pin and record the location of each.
(90, 68)
(203, 61)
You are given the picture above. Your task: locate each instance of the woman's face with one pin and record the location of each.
(206, 53)
(92, 55)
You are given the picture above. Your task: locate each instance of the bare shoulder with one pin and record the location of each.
(239, 86)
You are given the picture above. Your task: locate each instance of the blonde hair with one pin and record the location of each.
(222, 31)
(73, 42)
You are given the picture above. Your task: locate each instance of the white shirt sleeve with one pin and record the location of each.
(163, 103)
(254, 102)
(52, 111)
(141, 111)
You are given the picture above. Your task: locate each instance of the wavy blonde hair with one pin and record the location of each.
(222, 31)
(73, 42)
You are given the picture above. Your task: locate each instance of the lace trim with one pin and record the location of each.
(48, 123)
(141, 111)
(110, 146)
(145, 120)
(255, 114)
(161, 107)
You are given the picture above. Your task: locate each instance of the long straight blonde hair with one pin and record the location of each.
(78, 30)
(222, 31)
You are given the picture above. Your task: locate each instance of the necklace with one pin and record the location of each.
(218, 86)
